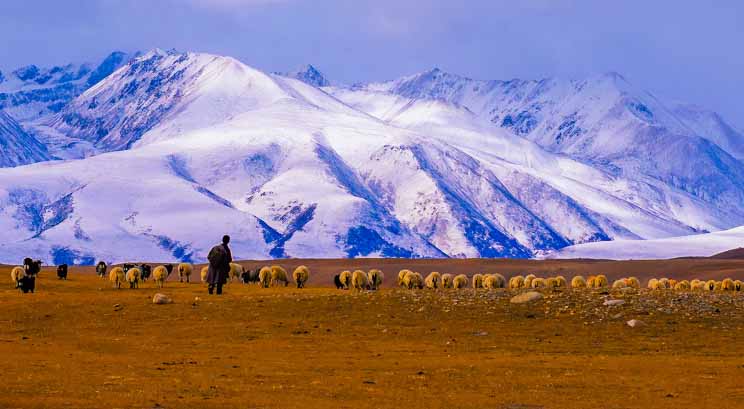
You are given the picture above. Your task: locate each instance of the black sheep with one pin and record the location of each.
(101, 268)
(62, 271)
(146, 270)
(337, 281)
(169, 269)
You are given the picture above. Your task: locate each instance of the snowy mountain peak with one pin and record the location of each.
(309, 75)
(31, 92)
(17, 147)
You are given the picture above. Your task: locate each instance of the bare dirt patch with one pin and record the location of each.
(81, 344)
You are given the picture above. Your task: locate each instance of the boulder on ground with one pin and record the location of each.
(161, 299)
(526, 297)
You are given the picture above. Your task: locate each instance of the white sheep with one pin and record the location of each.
(184, 271)
(117, 277)
(516, 282)
(433, 281)
(375, 277)
(447, 280)
(236, 271)
(279, 275)
(345, 279)
(16, 274)
(359, 280)
(300, 275)
(460, 281)
(159, 275)
(477, 281)
(264, 276)
(204, 273)
(133, 276)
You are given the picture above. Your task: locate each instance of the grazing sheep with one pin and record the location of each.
(337, 281)
(16, 274)
(672, 283)
(710, 285)
(62, 272)
(500, 280)
(617, 284)
(664, 283)
(697, 285)
(516, 282)
(477, 281)
(204, 273)
(249, 276)
(737, 285)
(279, 275)
(345, 278)
(683, 285)
(578, 282)
(460, 281)
(264, 276)
(493, 281)
(101, 268)
(600, 281)
(561, 282)
(375, 277)
(551, 282)
(590, 281)
(528, 280)
(117, 277)
(412, 280)
(184, 271)
(727, 284)
(433, 281)
(653, 284)
(633, 282)
(447, 280)
(359, 280)
(717, 286)
(539, 283)
(401, 276)
(300, 275)
(159, 275)
(146, 271)
(236, 271)
(133, 276)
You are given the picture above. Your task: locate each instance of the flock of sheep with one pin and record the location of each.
(265, 276)
(276, 275)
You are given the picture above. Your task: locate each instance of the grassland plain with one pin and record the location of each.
(81, 344)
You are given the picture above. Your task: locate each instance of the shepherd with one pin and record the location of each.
(219, 258)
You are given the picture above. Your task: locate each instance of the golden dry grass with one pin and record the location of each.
(81, 344)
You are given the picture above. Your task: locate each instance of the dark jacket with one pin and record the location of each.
(219, 258)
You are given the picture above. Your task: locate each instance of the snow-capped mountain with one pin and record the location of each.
(604, 122)
(17, 147)
(309, 75)
(699, 245)
(30, 92)
(172, 150)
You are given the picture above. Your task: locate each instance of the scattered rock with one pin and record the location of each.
(161, 299)
(527, 297)
(610, 303)
(635, 323)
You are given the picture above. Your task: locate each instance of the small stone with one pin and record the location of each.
(161, 299)
(635, 323)
(526, 297)
(610, 303)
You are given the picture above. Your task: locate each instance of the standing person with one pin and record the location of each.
(219, 258)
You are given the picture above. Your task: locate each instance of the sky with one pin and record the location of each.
(690, 51)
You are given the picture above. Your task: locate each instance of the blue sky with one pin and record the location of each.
(686, 50)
